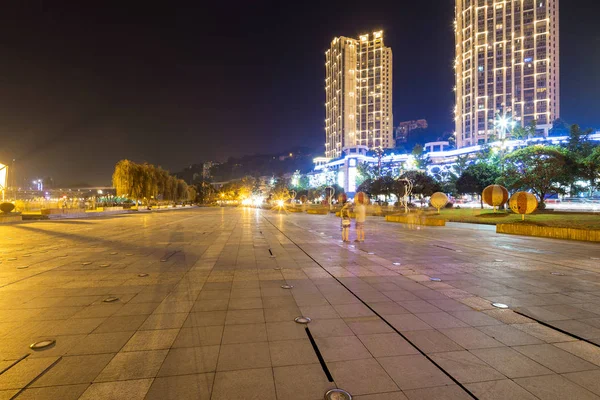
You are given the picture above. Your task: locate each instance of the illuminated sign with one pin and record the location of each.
(3, 173)
(351, 179)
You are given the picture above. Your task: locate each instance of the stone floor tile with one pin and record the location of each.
(72, 326)
(208, 294)
(590, 380)
(432, 341)
(329, 328)
(388, 308)
(282, 314)
(190, 360)
(508, 316)
(151, 340)
(407, 322)
(24, 372)
(137, 309)
(451, 392)
(387, 344)
(581, 349)
(244, 333)
(471, 338)
(578, 328)
(130, 390)
(244, 356)
(475, 318)
(450, 305)
(67, 392)
(361, 377)
(353, 310)
(554, 358)
(9, 394)
(413, 372)
(341, 348)
(74, 370)
(277, 302)
(368, 325)
(509, 336)
(245, 303)
(320, 312)
(164, 321)
(441, 320)
(285, 331)
(544, 333)
(244, 317)
(99, 343)
(205, 318)
(301, 382)
(382, 396)
(554, 387)
(125, 323)
(465, 367)
(510, 363)
(419, 306)
(499, 390)
(292, 352)
(133, 365)
(182, 387)
(199, 336)
(210, 305)
(248, 384)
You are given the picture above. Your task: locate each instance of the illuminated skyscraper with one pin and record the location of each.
(358, 88)
(507, 62)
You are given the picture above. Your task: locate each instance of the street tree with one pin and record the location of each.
(477, 177)
(423, 184)
(544, 170)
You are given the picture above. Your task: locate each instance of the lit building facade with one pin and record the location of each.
(507, 62)
(358, 92)
(404, 128)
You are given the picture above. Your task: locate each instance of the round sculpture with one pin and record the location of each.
(7, 207)
(523, 203)
(342, 198)
(439, 200)
(303, 199)
(495, 196)
(361, 198)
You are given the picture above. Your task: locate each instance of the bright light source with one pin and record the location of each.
(280, 203)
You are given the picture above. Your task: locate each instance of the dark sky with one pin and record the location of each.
(82, 87)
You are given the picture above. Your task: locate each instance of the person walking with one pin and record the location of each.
(360, 211)
(345, 215)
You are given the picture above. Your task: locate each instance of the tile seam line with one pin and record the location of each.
(48, 368)
(376, 313)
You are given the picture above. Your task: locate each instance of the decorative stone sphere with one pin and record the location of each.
(361, 198)
(439, 200)
(342, 198)
(523, 203)
(495, 195)
(303, 199)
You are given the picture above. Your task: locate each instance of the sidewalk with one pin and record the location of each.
(200, 312)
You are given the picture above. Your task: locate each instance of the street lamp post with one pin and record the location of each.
(504, 124)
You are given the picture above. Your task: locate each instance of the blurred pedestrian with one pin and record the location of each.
(345, 215)
(360, 212)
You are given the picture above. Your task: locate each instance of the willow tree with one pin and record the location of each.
(122, 178)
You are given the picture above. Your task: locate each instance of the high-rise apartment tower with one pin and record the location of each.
(507, 63)
(358, 89)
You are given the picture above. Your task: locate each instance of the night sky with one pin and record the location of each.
(82, 87)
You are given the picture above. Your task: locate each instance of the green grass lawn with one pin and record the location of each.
(565, 220)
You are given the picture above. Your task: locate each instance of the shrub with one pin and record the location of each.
(7, 207)
(449, 205)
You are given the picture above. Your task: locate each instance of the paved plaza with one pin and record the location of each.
(189, 304)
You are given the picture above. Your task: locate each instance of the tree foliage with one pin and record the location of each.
(145, 182)
(477, 177)
(543, 170)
